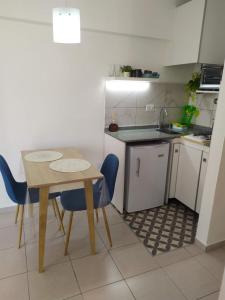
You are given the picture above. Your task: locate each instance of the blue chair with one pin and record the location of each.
(17, 192)
(74, 200)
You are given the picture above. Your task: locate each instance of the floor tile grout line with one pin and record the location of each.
(174, 283)
(13, 275)
(102, 286)
(75, 275)
(202, 298)
(121, 274)
(207, 269)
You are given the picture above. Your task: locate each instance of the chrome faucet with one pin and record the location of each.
(162, 116)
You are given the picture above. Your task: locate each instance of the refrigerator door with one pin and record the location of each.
(147, 173)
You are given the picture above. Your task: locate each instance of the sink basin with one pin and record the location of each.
(168, 131)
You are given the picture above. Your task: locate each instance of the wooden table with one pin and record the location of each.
(39, 175)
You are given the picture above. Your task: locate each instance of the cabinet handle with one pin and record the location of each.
(204, 160)
(176, 151)
(138, 166)
(161, 155)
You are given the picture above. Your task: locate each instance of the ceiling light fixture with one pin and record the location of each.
(66, 25)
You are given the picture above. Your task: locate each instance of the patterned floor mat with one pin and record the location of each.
(164, 228)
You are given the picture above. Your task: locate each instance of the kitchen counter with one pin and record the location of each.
(149, 134)
(140, 135)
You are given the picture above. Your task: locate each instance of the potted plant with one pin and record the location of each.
(190, 110)
(192, 86)
(126, 70)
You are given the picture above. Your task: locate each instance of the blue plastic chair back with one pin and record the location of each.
(9, 181)
(109, 169)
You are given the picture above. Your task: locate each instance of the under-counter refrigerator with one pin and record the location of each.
(146, 173)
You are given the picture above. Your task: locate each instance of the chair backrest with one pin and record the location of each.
(10, 183)
(109, 169)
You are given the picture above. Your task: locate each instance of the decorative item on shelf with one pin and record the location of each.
(113, 127)
(126, 71)
(150, 74)
(147, 74)
(136, 73)
(155, 75)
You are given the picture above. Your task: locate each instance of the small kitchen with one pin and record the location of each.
(112, 153)
(161, 132)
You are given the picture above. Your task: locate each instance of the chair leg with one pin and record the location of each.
(59, 215)
(62, 217)
(68, 233)
(96, 213)
(107, 226)
(17, 213)
(21, 209)
(53, 207)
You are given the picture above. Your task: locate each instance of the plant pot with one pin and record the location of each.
(126, 74)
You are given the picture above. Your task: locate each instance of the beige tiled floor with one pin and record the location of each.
(127, 271)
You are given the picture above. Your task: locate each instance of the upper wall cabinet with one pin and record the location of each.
(198, 35)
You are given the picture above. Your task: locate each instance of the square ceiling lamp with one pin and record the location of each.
(66, 25)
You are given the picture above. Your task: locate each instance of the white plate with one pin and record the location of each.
(43, 156)
(70, 165)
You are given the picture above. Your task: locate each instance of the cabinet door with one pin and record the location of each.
(188, 175)
(147, 177)
(202, 181)
(113, 145)
(212, 49)
(185, 44)
(173, 174)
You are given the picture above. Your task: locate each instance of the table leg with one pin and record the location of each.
(90, 213)
(43, 209)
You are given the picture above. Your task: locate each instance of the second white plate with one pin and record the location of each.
(70, 165)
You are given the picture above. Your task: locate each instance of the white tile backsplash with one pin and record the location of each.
(144, 117)
(205, 103)
(128, 108)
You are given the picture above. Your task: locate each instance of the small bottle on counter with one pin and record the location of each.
(113, 126)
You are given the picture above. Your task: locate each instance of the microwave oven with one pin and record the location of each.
(211, 76)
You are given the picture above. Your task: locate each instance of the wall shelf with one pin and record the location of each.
(133, 79)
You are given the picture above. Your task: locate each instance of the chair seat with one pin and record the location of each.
(22, 197)
(34, 195)
(74, 200)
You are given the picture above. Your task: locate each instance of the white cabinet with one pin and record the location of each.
(118, 148)
(174, 167)
(201, 180)
(188, 175)
(198, 35)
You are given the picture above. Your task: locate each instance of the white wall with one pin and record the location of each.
(211, 228)
(53, 95)
(150, 18)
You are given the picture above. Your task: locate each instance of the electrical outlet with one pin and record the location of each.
(150, 107)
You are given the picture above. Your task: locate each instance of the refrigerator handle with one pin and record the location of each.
(138, 166)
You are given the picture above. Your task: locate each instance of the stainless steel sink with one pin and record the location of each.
(168, 131)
